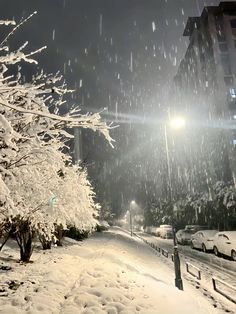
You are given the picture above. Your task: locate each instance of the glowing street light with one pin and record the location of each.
(177, 123)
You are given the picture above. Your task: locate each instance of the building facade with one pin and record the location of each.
(205, 90)
(206, 76)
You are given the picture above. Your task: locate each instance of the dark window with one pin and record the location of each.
(226, 64)
(233, 23)
(228, 80)
(233, 26)
(231, 13)
(223, 47)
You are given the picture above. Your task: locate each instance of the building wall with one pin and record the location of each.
(208, 69)
(205, 86)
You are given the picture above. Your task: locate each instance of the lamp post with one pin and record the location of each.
(176, 123)
(130, 217)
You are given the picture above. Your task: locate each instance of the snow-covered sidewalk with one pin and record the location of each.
(108, 273)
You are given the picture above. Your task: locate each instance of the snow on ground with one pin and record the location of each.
(108, 273)
(209, 265)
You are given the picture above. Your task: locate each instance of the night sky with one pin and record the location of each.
(94, 41)
(119, 54)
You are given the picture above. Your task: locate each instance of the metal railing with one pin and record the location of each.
(196, 272)
(224, 293)
(188, 268)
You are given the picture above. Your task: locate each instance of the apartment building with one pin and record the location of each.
(206, 78)
(205, 91)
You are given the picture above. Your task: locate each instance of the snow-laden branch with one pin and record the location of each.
(7, 22)
(89, 121)
(18, 56)
(15, 28)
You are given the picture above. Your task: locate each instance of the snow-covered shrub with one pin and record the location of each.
(39, 187)
(225, 204)
(76, 234)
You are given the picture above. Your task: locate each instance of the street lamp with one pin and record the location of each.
(130, 217)
(176, 123)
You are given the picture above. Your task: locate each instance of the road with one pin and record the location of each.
(185, 251)
(208, 264)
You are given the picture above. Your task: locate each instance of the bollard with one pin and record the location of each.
(178, 279)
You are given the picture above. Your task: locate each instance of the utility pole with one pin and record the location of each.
(178, 279)
(131, 217)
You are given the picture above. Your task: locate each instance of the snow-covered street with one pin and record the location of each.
(108, 273)
(117, 134)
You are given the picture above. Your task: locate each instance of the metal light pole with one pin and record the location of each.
(178, 279)
(131, 218)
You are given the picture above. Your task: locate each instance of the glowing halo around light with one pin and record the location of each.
(177, 123)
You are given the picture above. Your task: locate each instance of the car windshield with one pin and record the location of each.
(209, 232)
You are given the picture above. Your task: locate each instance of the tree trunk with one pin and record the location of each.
(5, 241)
(24, 239)
(59, 235)
(25, 247)
(46, 244)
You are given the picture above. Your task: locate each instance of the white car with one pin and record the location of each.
(183, 236)
(203, 240)
(225, 243)
(103, 225)
(151, 230)
(166, 231)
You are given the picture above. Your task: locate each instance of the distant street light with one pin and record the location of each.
(175, 123)
(130, 217)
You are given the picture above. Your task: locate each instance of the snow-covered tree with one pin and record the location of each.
(33, 168)
(225, 204)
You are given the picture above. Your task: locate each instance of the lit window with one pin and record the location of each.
(232, 92)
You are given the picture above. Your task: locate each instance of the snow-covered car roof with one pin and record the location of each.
(208, 232)
(104, 223)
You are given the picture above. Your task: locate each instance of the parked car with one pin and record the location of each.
(166, 231)
(158, 231)
(196, 228)
(203, 240)
(154, 230)
(102, 225)
(225, 243)
(148, 229)
(151, 230)
(183, 236)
